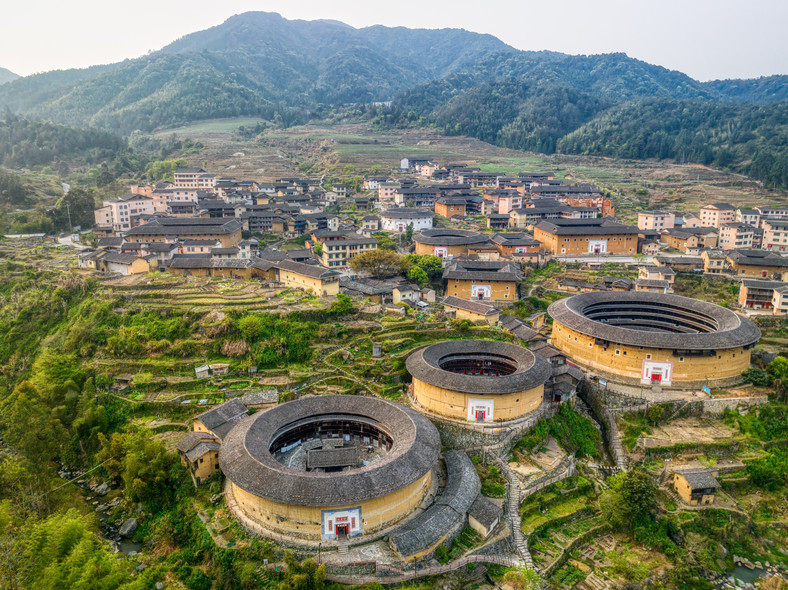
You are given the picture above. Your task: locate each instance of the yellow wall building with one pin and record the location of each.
(478, 380)
(641, 338)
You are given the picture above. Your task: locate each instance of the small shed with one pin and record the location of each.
(696, 486)
(484, 515)
(202, 372)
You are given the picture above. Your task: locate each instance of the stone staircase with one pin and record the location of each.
(343, 548)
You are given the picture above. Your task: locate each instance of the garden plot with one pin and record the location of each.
(687, 431)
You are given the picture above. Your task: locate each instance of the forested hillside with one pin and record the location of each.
(253, 64)
(609, 105)
(25, 143)
(751, 139)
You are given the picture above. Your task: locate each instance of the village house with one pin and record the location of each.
(656, 220)
(680, 263)
(498, 221)
(474, 311)
(659, 273)
(713, 261)
(450, 206)
(194, 178)
(751, 217)
(696, 487)
(757, 264)
(764, 295)
(518, 245)
(387, 193)
(398, 219)
(736, 235)
(308, 277)
(717, 214)
(119, 213)
(653, 286)
(168, 229)
(775, 235)
(480, 280)
(260, 399)
(199, 451)
(587, 236)
(337, 248)
(484, 515)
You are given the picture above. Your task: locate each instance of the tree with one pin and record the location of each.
(379, 263)
(317, 249)
(429, 263)
(409, 232)
(417, 275)
(631, 500)
(655, 414)
(150, 474)
(306, 575)
(523, 578)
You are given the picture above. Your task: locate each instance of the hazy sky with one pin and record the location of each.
(706, 39)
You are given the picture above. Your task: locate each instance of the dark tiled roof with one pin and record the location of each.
(247, 462)
(192, 439)
(185, 225)
(699, 478)
(222, 418)
(472, 306)
(462, 482)
(201, 449)
(515, 239)
(308, 270)
(449, 237)
(447, 514)
(405, 213)
(586, 227)
(482, 270)
(531, 372)
(485, 511)
(758, 258)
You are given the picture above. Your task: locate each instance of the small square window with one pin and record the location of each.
(648, 356)
(618, 352)
(681, 359)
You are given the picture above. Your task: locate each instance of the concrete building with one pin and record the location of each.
(656, 220)
(717, 215)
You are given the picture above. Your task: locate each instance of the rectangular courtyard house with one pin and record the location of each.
(199, 452)
(696, 487)
(311, 278)
(582, 237)
(482, 280)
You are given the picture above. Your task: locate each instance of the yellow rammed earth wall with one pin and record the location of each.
(305, 521)
(726, 364)
(424, 249)
(454, 404)
(500, 290)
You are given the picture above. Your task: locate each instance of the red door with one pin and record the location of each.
(480, 414)
(656, 377)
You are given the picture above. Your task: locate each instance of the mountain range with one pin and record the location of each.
(7, 76)
(260, 64)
